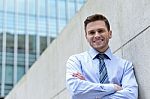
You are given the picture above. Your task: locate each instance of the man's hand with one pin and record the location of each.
(78, 75)
(117, 87)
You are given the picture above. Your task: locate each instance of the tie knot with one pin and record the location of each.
(101, 56)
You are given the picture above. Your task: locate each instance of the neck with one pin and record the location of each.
(102, 50)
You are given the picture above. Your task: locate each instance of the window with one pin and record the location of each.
(32, 6)
(52, 8)
(43, 43)
(61, 9)
(10, 5)
(21, 56)
(32, 49)
(9, 42)
(10, 22)
(21, 6)
(41, 7)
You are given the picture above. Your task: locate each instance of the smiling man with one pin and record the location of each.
(97, 73)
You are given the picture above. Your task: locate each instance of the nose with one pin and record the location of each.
(97, 34)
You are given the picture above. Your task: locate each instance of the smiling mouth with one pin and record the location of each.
(98, 41)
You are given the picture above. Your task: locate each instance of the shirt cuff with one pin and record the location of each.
(109, 88)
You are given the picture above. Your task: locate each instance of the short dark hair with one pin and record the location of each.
(96, 17)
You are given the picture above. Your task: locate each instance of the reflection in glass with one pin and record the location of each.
(21, 6)
(31, 25)
(9, 62)
(41, 7)
(21, 56)
(62, 9)
(61, 24)
(21, 24)
(43, 43)
(32, 49)
(52, 27)
(1, 21)
(1, 5)
(1, 39)
(10, 22)
(42, 26)
(9, 42)
(32, 6)
(10, 5)
(52, 8)
(8, 78)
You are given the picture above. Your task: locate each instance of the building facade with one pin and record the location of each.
(27, 27)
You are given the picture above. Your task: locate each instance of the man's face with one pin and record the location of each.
(97, 35)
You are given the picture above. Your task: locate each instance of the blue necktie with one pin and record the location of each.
(102, 69)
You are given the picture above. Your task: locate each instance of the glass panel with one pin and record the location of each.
(32, 58)
(9, 74)
(8, 78)
(21, 56)
(31, 25)
(62, 24)
(0, 73)
(21, 24)
(43, 43)
(1, 41)
(1, 21)
(20, 72)
(32, 7)
(21, 6)
(9, 62)
(9, 42)
(52, 38)
(10, 6)
(61, 9)
(52, 27)
(42, 26)
(52, 8)
(32, 43)
(1, 5)
(10, 22)
(8, 88)
(32, 49)
(41, 7)
(21, 43)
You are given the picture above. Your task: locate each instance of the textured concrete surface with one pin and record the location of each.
(130, 23)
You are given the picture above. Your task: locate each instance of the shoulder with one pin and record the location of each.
(122, 61)
(79, 56)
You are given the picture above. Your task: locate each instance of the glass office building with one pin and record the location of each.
(26, 29)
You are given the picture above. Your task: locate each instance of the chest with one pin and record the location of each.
(90, 70)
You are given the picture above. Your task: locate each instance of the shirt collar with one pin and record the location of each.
(93, 52)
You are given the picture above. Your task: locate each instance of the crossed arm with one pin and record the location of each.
(79, 86)
(81, 77)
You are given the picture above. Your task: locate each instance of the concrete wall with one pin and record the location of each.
(130, 21)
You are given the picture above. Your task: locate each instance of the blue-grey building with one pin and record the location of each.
(27, 27)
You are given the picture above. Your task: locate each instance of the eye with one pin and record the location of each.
(91, 32)
(100, 31)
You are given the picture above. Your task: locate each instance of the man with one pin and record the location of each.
(97, 73)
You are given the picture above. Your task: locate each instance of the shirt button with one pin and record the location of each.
(97, 97)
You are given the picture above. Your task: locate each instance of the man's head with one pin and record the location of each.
(96, 17)
(97, 32)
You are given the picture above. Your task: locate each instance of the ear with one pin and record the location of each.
(110, 34)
